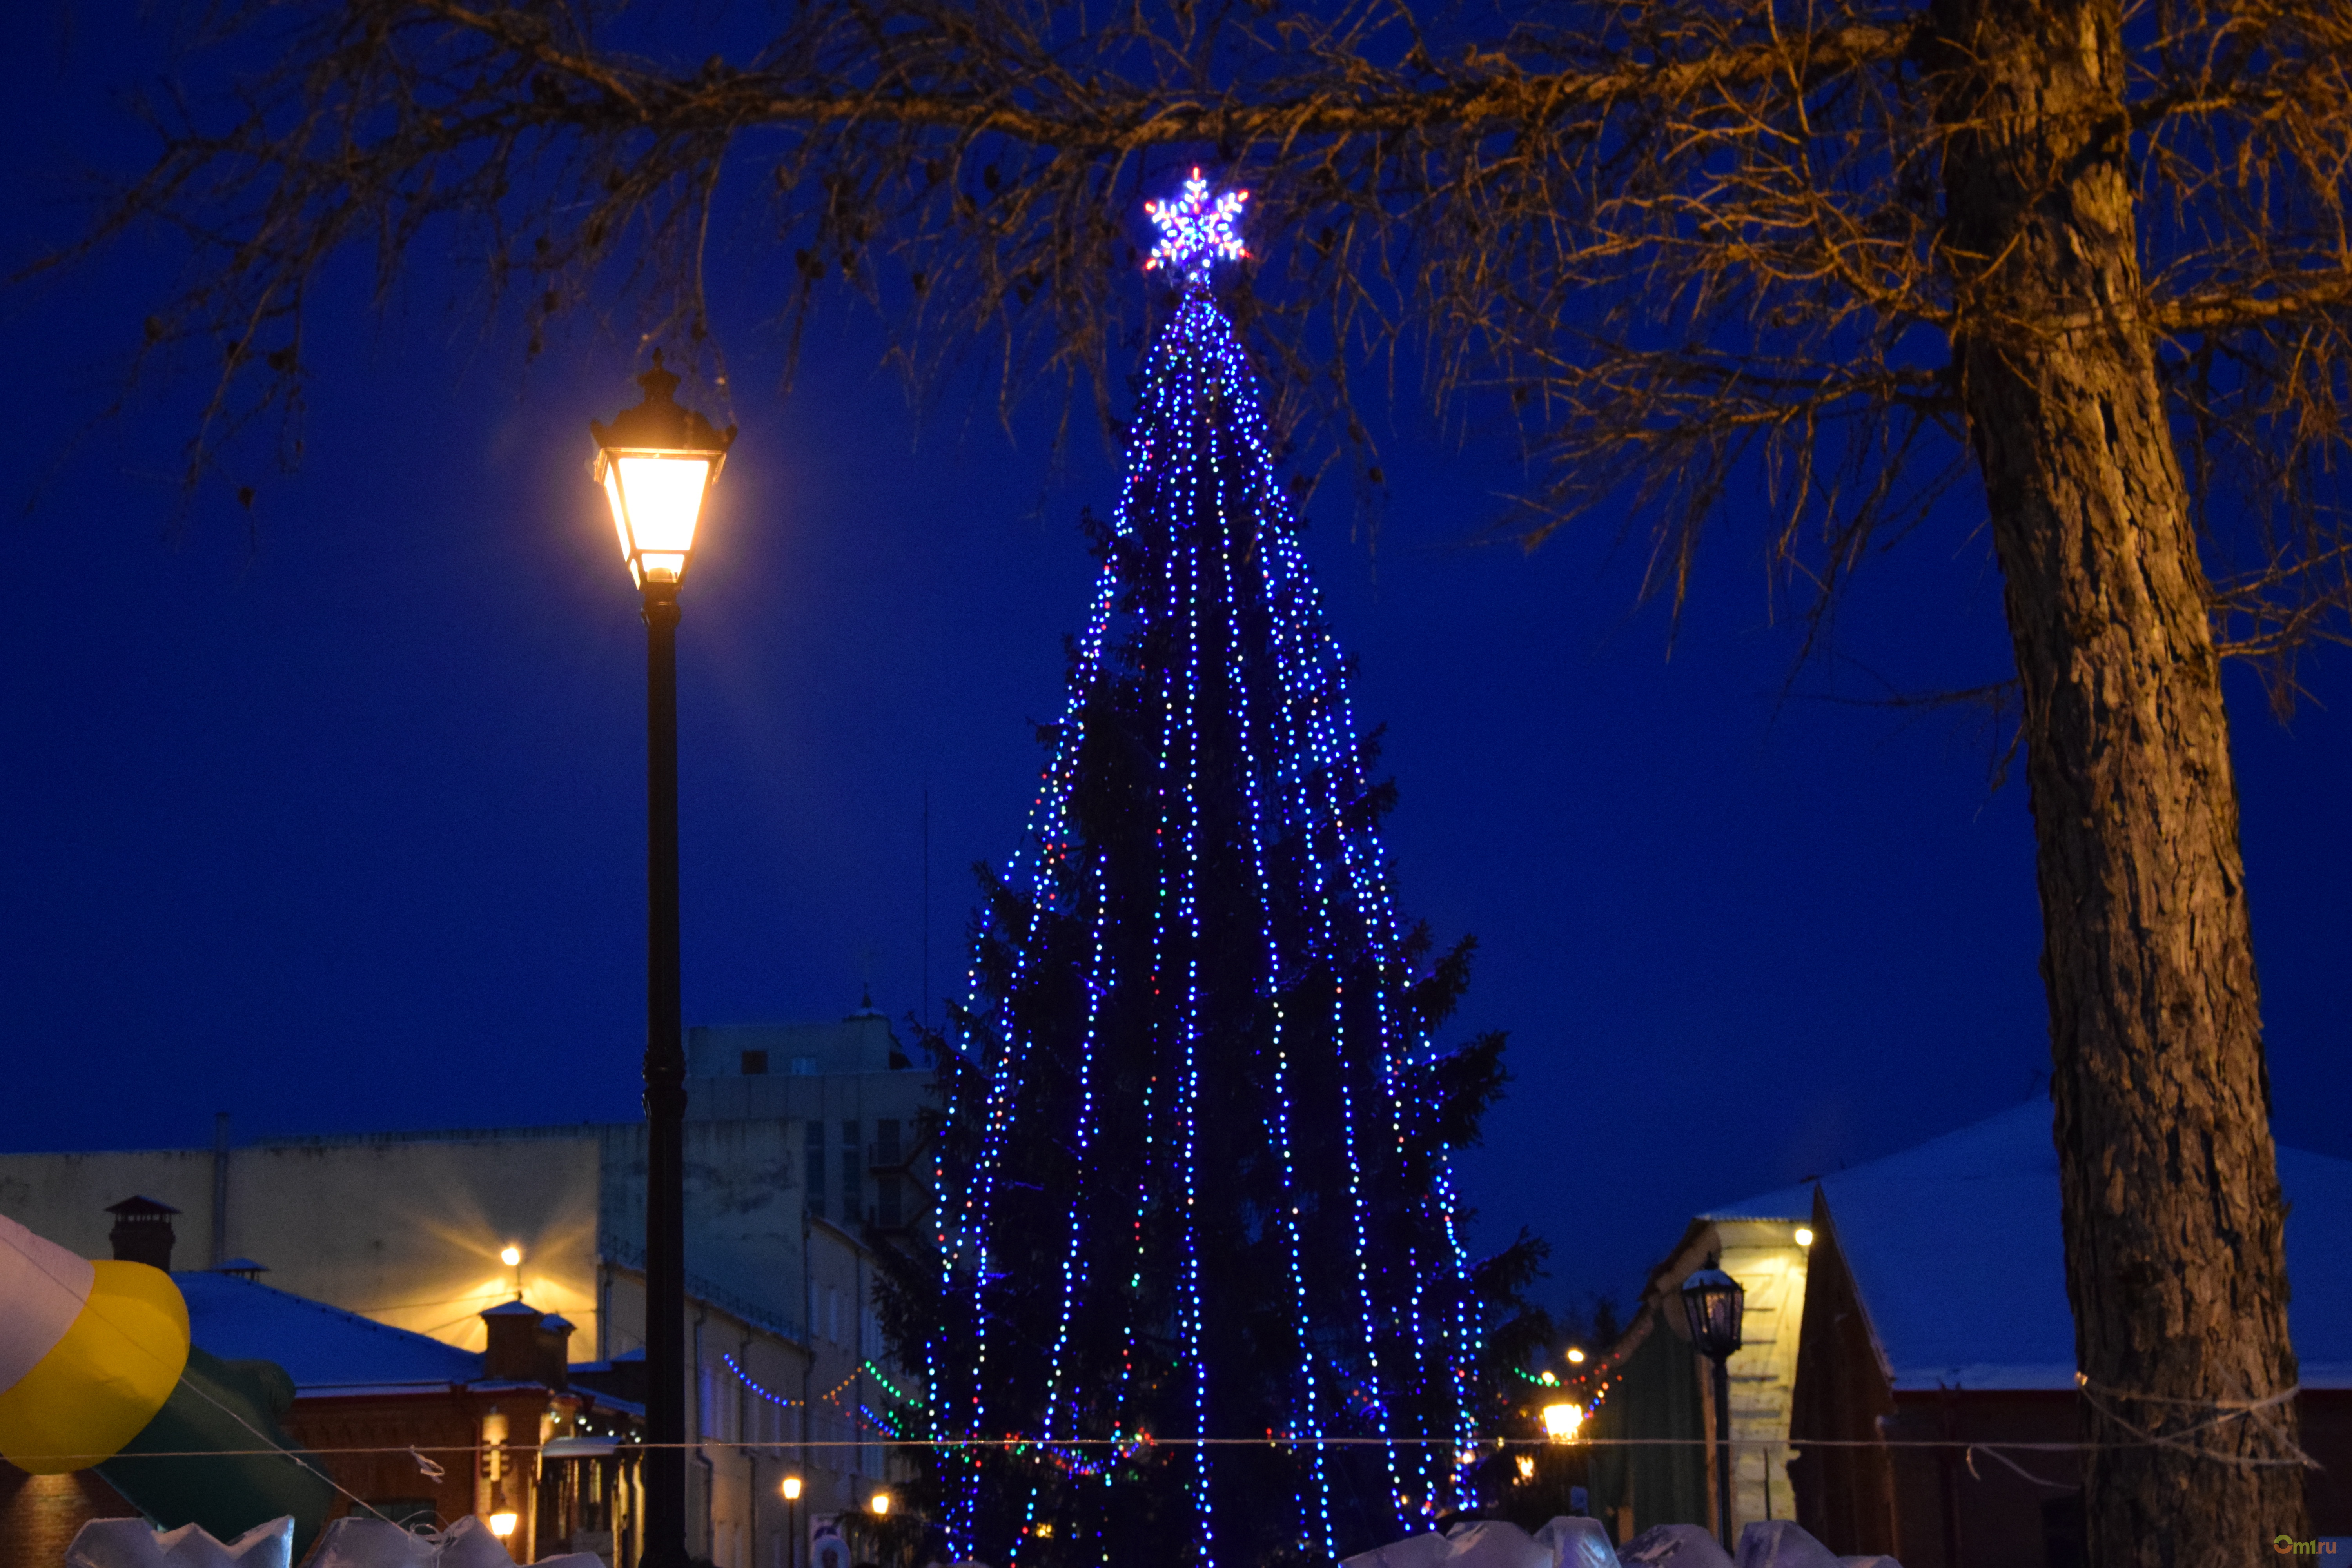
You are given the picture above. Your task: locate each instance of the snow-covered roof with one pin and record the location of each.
(324, 1348)
(1953, 1247)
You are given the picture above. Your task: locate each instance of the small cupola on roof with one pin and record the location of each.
(526, 1345)
(143, 1231)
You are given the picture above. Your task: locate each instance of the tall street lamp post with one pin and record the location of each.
(1713, 1302)
(657, 462)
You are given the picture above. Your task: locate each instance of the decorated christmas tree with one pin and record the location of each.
(1199, 1295)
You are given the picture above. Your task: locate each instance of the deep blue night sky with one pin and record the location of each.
(333, 816)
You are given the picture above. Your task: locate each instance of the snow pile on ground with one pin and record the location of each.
(1779, 1543)
(1577, 1543)
(346, 1544)
(1583, 1543)
(1674, 1546)
(134, 1543)
(1425, 1551)
(1491, 1544)
(468, 1543)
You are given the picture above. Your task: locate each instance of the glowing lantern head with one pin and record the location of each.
(1714, 1302)
(657, 462)
(1561, 1421)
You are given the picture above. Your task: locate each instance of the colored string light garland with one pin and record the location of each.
(894, 1424)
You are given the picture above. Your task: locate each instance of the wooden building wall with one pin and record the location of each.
(1860, 1489)
(1845, 1495)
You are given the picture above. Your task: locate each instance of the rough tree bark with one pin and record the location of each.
(2175, 1256)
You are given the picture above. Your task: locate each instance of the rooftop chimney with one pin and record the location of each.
(143, 1231)
(526, 1345)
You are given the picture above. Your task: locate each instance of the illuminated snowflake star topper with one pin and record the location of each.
(1195, 232)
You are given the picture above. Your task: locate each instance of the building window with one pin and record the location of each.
(885, 1140)
(813, 1130)
(755, 1064)
(849, 1173)
(888, 1195)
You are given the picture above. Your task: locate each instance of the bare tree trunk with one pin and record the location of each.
(2175, 1259)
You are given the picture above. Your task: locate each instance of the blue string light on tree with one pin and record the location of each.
(1193, 1185)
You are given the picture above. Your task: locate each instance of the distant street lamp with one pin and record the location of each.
(503, 1518)
(1713, 1302)
(657, 462)
(791, 1520)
